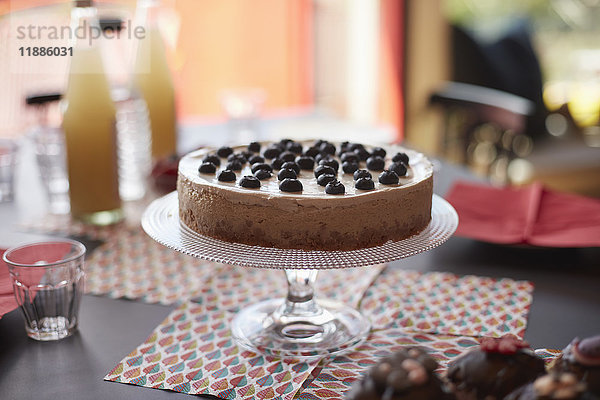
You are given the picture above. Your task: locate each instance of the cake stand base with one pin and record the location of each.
(299, 326)
(265, 328)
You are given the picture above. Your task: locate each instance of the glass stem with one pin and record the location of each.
(300, 298)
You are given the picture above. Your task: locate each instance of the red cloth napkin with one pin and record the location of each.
(7, 298)
(525, 215)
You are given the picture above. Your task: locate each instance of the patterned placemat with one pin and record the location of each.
(192, 352)
(445, 303)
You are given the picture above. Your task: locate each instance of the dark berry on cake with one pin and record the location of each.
(277, 163)
(399, 168)
(400, 157)
(290, 185)
(388, 178)
(291, 165)
(324, 169)
(328, 148)
(324, 179)
(234, 165)
(207, 168)
(496, 368)
(561, 385)
(283, 143)
(257, 166)
(249, 182)
(312, 152)
(226, 175)
(361, 173)
(349, 167)
(379, 152)
(213, 159)
(256, 159)
(295, 147)
(237, 157)
(262, 174)
(272, 152)
(344, 147)
(375, 163)
(355, 146)
(349, 156)
(582, 358)
(364, 184)
(287, 156)
(408, 374)
(330, 162)
(286, 173)
(224, 151)
(254, 147)
(362, 153)
(335, 187)
(305, 162)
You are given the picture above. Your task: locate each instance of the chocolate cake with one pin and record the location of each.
(553, 386)
(301, 195)
(408, 374)
(495, 369)
(582, 358)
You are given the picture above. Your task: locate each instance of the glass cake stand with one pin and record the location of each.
(299, 325)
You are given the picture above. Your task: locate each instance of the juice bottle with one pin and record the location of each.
(152, 77)
(90, 132)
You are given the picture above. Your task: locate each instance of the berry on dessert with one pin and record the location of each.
(254, 147)
(262, 174)
(272, 152)
(324, 179)
(287, 156)
(400, 157)
(213, 159)
(388, 178)
(256, 159)
(291, 165)
(408, 374)
(375, 163)
(226, 175)
(324, 169)
(378, 151)
(399, 168)
(361, 173)
(290, 185)
(327, 147)
(286, 173)
(249, 182)
(237, 157)
(330, 162)
(349, 156)
(234, 165)
(224, 151)
(294, 147)
(207, 168)
(496, 368)
(335, 187)
(364, 184)
(349, 167)
(257, 166)
(305, 162)
(277, 163)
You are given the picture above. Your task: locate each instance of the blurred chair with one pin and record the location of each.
(484, 128)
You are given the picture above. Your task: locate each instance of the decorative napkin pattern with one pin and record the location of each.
(192, 352)
(530, 215)
(335, 378)
(445, 303)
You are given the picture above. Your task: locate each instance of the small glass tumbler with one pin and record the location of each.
(8, 161)
(48, 281)
(243, 108)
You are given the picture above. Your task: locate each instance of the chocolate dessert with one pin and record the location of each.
(582, 358)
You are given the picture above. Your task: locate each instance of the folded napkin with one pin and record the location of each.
(525, 215)
(7, 298)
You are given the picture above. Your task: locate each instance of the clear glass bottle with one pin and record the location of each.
(133, 125)
(90, 129)
(153, 78)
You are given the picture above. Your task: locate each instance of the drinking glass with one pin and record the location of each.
(48, 281)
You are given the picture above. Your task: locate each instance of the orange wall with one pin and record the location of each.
(232, 43)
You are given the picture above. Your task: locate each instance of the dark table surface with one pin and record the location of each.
(566, 303)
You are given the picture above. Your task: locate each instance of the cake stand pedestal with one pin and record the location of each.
(299, 325)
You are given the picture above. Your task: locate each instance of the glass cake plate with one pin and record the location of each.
(298, 326)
